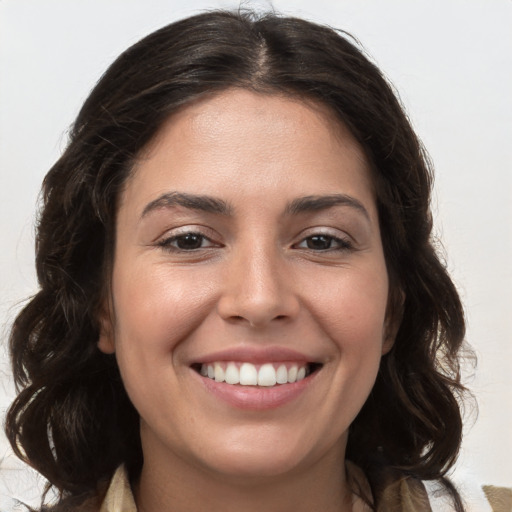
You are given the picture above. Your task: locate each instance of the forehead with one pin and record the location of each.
(243, 142)
(239, 113)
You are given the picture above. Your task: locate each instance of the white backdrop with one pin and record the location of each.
(451, 62)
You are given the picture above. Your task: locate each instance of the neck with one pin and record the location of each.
(169, 483)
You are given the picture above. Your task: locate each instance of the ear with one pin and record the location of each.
(393, 320)
(106, 342)
(389, 340)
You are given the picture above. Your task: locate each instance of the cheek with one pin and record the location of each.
(156, 307)
(351, 305)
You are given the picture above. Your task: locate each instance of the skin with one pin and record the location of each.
(257, 281)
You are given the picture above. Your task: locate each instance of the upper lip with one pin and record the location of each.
(257, 355)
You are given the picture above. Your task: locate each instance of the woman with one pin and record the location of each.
(240, 303)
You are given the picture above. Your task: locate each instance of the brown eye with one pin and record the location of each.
(319, 242)
(324, 243)
(186, 242)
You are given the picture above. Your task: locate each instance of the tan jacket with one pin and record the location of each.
(406, 495)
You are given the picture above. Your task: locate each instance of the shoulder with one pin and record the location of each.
(87, 503)
(390, 490)
(115, 496)
(395, 491)
(500, 498)
(405, 494)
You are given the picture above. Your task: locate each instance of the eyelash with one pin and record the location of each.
(166, 243)
(342, 244)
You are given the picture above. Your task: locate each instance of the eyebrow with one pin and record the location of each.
(194, 202)
(316, 203)
(219, 206)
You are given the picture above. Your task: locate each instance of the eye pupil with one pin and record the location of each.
(189, 241)
(319, 242)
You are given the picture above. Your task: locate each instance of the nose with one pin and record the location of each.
(258, 289)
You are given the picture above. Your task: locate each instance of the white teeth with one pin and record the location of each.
(218, 372)
(267, 375)
(247, 374)
(282, 375)
(232, 375)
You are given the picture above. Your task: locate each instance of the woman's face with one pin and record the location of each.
(249, 287)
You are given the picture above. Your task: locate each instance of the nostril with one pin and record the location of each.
(258, 322)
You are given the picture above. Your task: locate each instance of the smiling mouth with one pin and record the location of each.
(248, 374)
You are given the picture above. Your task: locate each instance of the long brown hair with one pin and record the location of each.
(72, 419)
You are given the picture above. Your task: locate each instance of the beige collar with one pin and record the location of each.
(119, 497)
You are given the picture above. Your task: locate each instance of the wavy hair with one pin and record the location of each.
(72, 420)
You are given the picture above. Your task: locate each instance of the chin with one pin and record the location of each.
(254, 466)
(257, 457)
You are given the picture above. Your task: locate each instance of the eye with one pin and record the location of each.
(186, 242)
(323, 243)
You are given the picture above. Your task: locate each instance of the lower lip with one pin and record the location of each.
(257, 397)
